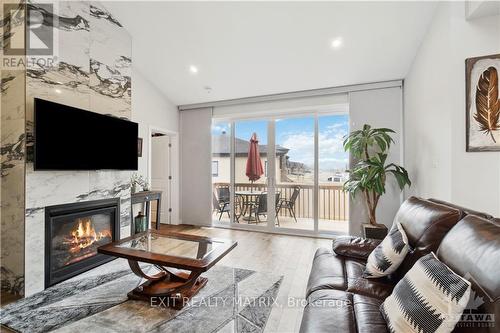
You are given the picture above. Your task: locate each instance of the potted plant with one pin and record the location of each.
(138, 180)
(370, 147)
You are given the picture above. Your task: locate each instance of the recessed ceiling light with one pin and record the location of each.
(337, 42)
(193, 69)
(58, 91)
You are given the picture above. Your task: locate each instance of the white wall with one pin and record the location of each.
(378, 108)
(150, 108)
(435, 113)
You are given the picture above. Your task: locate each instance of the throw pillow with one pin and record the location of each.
(429, 298)
(388, 255)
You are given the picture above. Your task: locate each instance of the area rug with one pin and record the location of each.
(234, 300)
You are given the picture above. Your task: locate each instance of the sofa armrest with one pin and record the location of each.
(354, 247)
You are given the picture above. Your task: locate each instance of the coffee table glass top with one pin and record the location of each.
(172, 246)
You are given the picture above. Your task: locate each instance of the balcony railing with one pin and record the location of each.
(333, 201)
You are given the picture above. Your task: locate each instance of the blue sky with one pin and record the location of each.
(297, 134)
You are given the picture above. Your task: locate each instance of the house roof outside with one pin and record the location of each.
(221, 147)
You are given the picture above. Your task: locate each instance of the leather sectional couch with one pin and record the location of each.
(339, 299)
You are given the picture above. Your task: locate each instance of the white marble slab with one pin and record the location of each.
(84, 33)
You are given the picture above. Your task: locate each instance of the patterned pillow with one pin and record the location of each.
(429, 298)
(387, 257)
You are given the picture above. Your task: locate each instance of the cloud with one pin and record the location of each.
(331, 151)
(219, 129)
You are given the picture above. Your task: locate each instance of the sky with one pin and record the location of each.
(297, 134)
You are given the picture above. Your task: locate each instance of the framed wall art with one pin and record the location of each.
(483, 103)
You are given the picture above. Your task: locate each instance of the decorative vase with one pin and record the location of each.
(141, 223)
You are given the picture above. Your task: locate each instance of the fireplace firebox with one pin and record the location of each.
(73, 232)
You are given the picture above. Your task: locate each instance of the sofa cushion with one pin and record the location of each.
(331, 271)
(340, 311)
(425, 223)
(463, 210)
(430, 298)
(327, 272)
(354, 247)
(376, 288)
(387, 257)
(472, 249)
(368, 316)
(328, 311)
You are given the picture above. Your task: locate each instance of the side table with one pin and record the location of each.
(145, 198)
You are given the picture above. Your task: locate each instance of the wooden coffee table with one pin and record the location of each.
(179, 259)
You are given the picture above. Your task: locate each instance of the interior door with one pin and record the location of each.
(160, 174)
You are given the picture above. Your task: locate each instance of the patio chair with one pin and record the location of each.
(223, 194)
(290, 204)
(221, 206)
(259, 207)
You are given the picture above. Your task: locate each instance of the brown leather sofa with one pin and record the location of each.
(339, 299)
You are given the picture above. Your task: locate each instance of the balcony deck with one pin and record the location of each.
(337, 226)
(333, 207)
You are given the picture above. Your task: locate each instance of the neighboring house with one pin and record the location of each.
(296, 168)
(221, 160)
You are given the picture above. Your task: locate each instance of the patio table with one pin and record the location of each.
(247, 197)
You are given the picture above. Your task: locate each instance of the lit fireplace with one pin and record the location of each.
(73, 234)
(84, 240)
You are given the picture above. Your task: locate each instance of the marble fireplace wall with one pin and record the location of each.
(92, 70)
(12, 133)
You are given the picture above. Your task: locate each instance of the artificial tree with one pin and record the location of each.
(370, 147)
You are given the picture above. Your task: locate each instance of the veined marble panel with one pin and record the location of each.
(12, 156)
(112, 184)
(12, 181)
(110, 63)
(65, 78)
(99, 84)
(45, 188)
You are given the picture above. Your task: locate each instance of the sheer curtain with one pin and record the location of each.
(195, 173)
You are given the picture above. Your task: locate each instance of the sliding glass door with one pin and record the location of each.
(299, 188)
(295, 173)
(333, 161)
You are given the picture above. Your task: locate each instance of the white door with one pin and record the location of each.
(160, 175)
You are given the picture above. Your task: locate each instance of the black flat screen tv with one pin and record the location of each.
(68, 138)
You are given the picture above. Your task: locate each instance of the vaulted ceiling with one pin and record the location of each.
(243, 49)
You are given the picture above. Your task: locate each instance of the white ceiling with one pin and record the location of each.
(247, 49)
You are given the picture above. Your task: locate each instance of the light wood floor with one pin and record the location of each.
(338, 226)
(290, 256)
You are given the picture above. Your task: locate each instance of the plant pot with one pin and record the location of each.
(377, 231)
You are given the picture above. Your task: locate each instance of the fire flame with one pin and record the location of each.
(85, 235)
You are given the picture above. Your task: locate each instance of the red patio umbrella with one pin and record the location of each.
(254, 164)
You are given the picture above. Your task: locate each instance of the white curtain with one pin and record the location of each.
(330, 103)
(196, 177)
